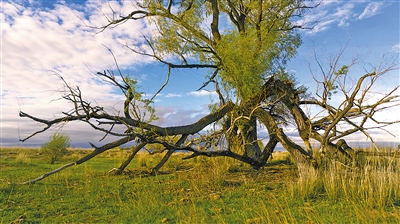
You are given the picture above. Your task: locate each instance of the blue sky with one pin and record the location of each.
(40, 37)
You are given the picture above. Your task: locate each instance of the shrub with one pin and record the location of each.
(56, 147)
(23, 157)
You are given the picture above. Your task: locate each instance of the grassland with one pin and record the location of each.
(201, 190)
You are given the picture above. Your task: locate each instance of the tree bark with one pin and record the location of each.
(252, 149)
(169, 154)
(128, 160)
(304, 162)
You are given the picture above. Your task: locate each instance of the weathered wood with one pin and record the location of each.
(128, 160)
(171, 150)
(49, 173)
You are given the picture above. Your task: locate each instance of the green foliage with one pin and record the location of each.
(247, 58)
(331, 88)
(141, 107)
(181, 35)
(342, 71)
(56, 147)
(329, 84)
(243, 63)
(245, 52)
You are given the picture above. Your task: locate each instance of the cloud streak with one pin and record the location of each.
(202, 93)
(372, 9)
(171, 95)
(338, 13)
(396, 48)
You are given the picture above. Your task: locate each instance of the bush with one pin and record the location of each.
(56, 147)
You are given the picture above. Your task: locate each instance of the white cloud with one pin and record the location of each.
(176, 116)
(312, 19)
(202, 93)
(321, 26)
(169, 95)
(344, 14)
(343, 23)
(372, 9)
(396, 48)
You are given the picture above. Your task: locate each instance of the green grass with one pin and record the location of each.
(201, 190)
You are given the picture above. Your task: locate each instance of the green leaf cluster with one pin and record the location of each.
(342, 71)
(330, 84)
(243, 64)
(56, 147)
(141, 107)
(248, 58)
(179, 35)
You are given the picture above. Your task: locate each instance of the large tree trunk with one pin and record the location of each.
(304, 162)
(243, 139)
(251, 147)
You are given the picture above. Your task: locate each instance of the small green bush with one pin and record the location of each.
(56, 147)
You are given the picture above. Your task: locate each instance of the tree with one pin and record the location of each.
(260, 39)
(246, 62)
(56, 147)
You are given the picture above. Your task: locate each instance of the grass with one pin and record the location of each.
(201, 190)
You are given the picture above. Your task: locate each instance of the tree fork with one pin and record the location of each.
(291, 100)
(268, 150)
(168, 155)
(303, 159)
(121, 168)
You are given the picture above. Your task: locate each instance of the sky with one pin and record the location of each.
(41, 38)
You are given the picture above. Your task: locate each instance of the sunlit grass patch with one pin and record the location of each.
(374, 184)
